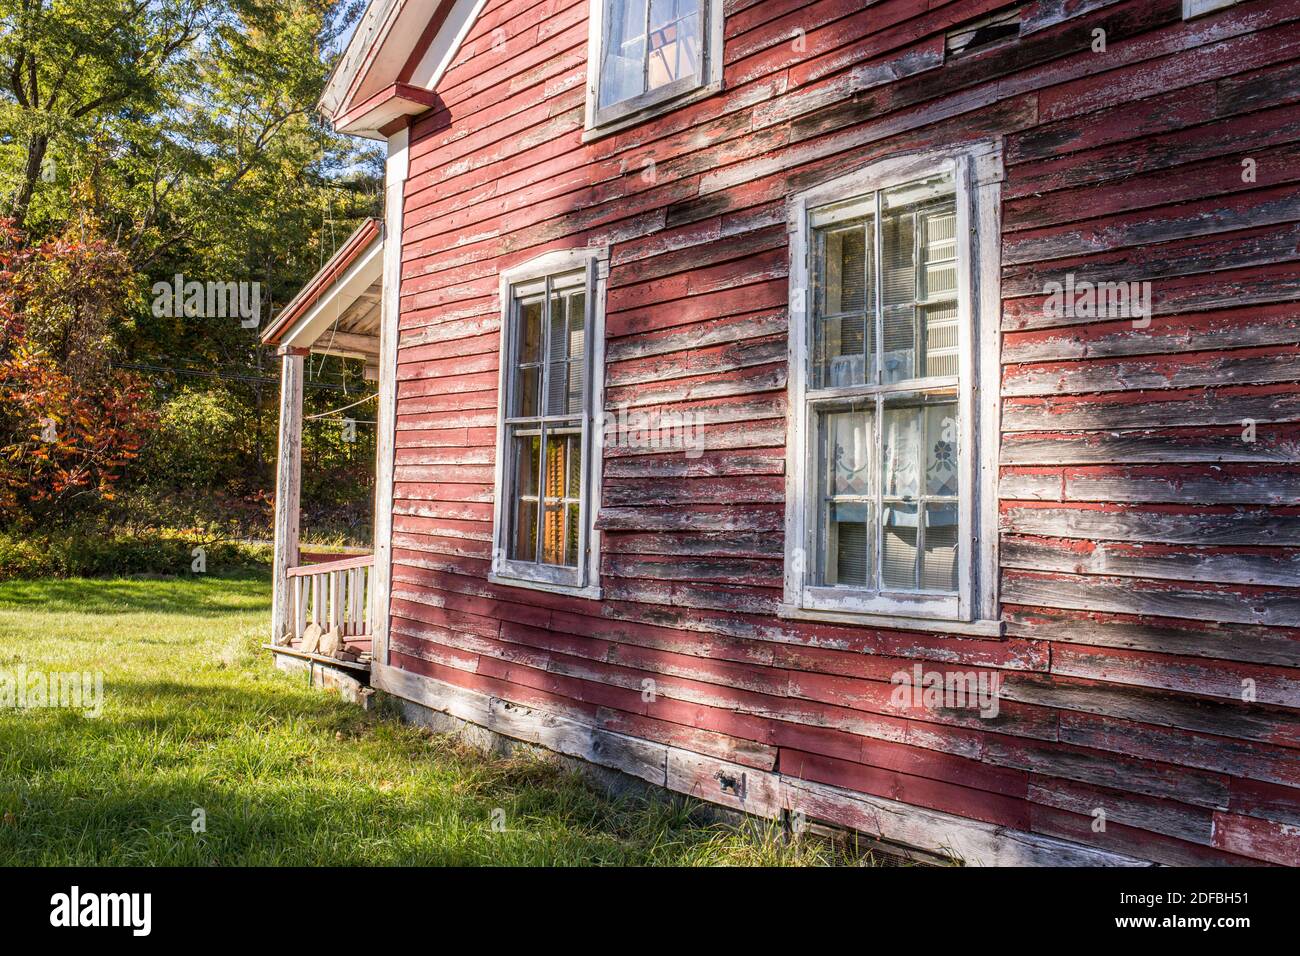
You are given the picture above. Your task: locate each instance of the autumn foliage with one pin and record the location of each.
(70, 423)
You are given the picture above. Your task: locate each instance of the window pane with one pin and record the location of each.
(843, 277)
(554, 475)
(553, 535)
(899, 268)
(530, 383)
(528, 373)
(575, 467)
(938, 248)
(898, 547)
(563, 485)
(527, 448)
(557, 371)
(898, 296)
(526, 532)
(843, 280)
(566, 361)
(622, 70)
(553, 480)
(900, 439)
(898, 363)
(941, 478)
(674, 47)
(849, 530)
(941, 341)
(844, 346)
(849, 452)
(939, 562)
(526, 453)
(572, 534)
(577, 341)
(846, 539)
(530, 339)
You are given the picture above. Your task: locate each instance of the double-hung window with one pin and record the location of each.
(647, 53)
(546, 475)
(890, 506)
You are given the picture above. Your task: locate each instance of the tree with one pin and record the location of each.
(185, 132)
(70, 62)
(69, 423)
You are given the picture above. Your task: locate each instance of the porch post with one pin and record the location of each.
(288, 481)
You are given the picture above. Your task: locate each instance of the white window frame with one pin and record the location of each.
(617, 116)
(583, 580)
(977, 174)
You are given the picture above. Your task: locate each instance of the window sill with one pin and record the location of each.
(599, 131)
(1198, 8)
(589, 592)
(891, 622)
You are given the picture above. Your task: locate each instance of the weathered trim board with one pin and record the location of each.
(755, 792)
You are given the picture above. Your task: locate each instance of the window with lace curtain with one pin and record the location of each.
(885, 501)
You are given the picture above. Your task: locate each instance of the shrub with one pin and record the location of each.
(82, 552)
(197, 444)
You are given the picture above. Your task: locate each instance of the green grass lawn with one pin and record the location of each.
(195, 718)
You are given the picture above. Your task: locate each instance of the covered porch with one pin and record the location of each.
(322, 602)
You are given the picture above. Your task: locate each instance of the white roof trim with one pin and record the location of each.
(345, 70)
(428, 74)
(360, 276)
(384, 42)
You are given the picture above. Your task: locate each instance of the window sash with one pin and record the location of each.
(875, 497)
(545, 426)
(874, 311)
(603, 114)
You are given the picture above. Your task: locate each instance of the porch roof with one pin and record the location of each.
(337, 311)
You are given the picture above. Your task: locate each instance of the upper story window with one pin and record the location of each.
(889, 503)
(544, 534)
(645, 54)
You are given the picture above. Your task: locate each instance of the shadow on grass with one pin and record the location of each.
(274, 783)
(188, 703)
(205, 596)
(338, 823)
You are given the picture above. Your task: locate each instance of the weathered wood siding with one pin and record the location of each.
(1149, 554)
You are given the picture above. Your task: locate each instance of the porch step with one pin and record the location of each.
(351, 680)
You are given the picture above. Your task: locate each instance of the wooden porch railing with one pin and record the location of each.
(334, 595)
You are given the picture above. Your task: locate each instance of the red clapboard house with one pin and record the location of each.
(882, 414)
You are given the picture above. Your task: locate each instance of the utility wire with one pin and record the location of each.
(195, 373)
(368, 398)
